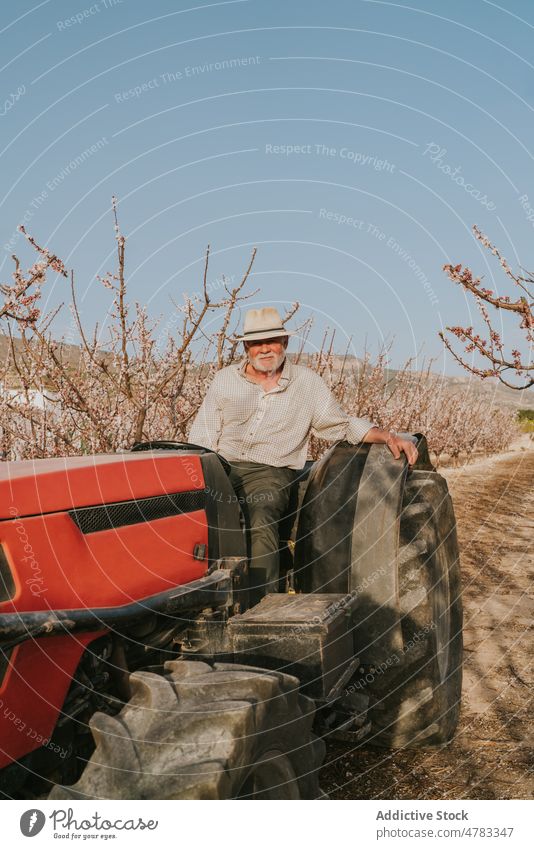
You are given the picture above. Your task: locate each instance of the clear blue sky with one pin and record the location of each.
(261, 123)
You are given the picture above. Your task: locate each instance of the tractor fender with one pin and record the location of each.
(348, 540)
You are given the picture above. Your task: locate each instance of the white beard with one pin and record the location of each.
(267, 366)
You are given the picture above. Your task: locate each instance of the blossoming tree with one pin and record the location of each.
(515, 369)
(140, 377)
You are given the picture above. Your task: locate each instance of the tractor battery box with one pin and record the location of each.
(307, 635)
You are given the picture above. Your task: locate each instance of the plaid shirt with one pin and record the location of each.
(242, 422)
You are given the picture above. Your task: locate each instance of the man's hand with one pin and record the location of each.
(397, 446)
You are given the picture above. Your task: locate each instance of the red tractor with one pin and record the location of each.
(132, 666)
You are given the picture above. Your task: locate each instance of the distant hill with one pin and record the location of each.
(71, 353)
(491, 389)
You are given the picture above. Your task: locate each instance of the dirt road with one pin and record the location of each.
(492, 754)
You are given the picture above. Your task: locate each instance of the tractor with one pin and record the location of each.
(133, 666)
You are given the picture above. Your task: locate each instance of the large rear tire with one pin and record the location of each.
(386, 535)
(202, 732)
(416, 702)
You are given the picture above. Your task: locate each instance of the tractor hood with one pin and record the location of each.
(33, 487)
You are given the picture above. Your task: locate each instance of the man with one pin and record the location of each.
(258, 415)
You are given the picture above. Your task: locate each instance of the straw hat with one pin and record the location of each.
(264, 323)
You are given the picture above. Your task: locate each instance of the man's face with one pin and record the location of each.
(267, 355)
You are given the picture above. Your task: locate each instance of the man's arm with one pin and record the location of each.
(207, 425)
(332, 423)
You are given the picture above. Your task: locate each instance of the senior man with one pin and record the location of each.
(259, 414)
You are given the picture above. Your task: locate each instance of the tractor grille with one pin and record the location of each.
(104, 517)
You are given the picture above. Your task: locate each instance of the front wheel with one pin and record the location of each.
(202, 732)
